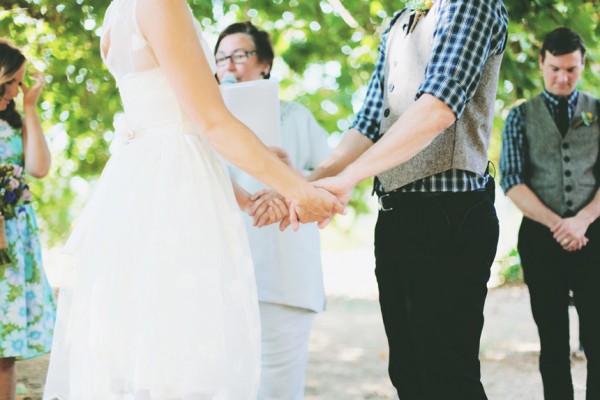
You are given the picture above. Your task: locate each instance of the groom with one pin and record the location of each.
(423, 131)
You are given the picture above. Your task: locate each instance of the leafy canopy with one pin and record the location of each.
(325, 51)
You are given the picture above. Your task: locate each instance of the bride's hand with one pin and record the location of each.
(267, 208)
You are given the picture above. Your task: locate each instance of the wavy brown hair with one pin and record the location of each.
(11, 60)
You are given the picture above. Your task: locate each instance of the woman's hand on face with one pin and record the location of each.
(31, 95)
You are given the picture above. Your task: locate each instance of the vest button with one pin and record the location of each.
(395, 63)
(568, 188)
(391, 87)
(386, 112)
(567, 159)
(568, 173)
(569, 203)
(565, 146)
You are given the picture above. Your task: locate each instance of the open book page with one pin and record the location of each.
(256, 104)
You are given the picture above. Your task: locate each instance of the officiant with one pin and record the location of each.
(287, 264)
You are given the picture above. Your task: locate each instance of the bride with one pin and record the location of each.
(161, 303)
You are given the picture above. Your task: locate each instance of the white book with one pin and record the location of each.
(256, 104)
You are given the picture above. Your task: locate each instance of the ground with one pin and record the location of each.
(348, 353)
(348, 349)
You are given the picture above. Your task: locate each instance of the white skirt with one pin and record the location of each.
(161, 301)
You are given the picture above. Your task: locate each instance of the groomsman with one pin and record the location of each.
(549, 167)
(424, 131)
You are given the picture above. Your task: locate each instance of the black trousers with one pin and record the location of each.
(433, 257)
(550, 273)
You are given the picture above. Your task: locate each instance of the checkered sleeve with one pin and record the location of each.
(467, 33)
(512, 156)
(369, 117)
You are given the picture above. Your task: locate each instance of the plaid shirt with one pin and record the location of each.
(467, 33)
(514, 145)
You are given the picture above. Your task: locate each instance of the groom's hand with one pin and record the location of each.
(339, 186)
(320, 206)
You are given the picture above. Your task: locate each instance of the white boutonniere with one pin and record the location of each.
(419, 9)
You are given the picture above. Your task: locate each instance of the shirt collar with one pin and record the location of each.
(554, 99)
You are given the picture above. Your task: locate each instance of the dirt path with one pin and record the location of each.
(348, 359)
(349, 353)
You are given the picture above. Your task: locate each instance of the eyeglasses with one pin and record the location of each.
(237, 57)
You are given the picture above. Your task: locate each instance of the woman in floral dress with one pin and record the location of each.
(26, 301)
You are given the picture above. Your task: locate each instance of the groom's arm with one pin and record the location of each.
(352, 146)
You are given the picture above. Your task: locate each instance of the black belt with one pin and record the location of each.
(387, 201)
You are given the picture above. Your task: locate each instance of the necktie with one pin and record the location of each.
(562, 116)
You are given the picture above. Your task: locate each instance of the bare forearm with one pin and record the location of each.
(241, 196)
(243, 149)
(411, 133)
(352, 146)
(166, 22)
(591, 212)
(532, 207)
(37, 154)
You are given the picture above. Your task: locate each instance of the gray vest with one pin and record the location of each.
(463, 145)
(560, 171)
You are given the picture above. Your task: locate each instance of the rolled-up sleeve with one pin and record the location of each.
(512, 158)
(467, 33)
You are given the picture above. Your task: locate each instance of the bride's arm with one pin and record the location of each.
(168, 27)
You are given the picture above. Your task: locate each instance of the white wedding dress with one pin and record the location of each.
(161, 301)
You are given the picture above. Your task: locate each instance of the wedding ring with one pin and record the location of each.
(565, 241)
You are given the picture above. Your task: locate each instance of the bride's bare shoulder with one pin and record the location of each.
(154, 14)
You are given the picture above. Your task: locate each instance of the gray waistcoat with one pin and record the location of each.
(561, 170)
(463, 145)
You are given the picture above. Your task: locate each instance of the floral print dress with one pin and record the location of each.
(27, 307)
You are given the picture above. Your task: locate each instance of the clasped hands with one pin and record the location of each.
(318, 205)
(321, 200)
(570, 233)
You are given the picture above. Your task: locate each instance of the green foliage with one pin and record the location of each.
(510, 268)
(326, 53)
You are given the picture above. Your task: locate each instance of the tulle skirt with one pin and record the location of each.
(160, 303)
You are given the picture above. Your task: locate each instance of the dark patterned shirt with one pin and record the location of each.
(467, 33)
(514, 145)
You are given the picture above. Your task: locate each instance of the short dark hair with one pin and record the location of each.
(562, 41)
(261, 39)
